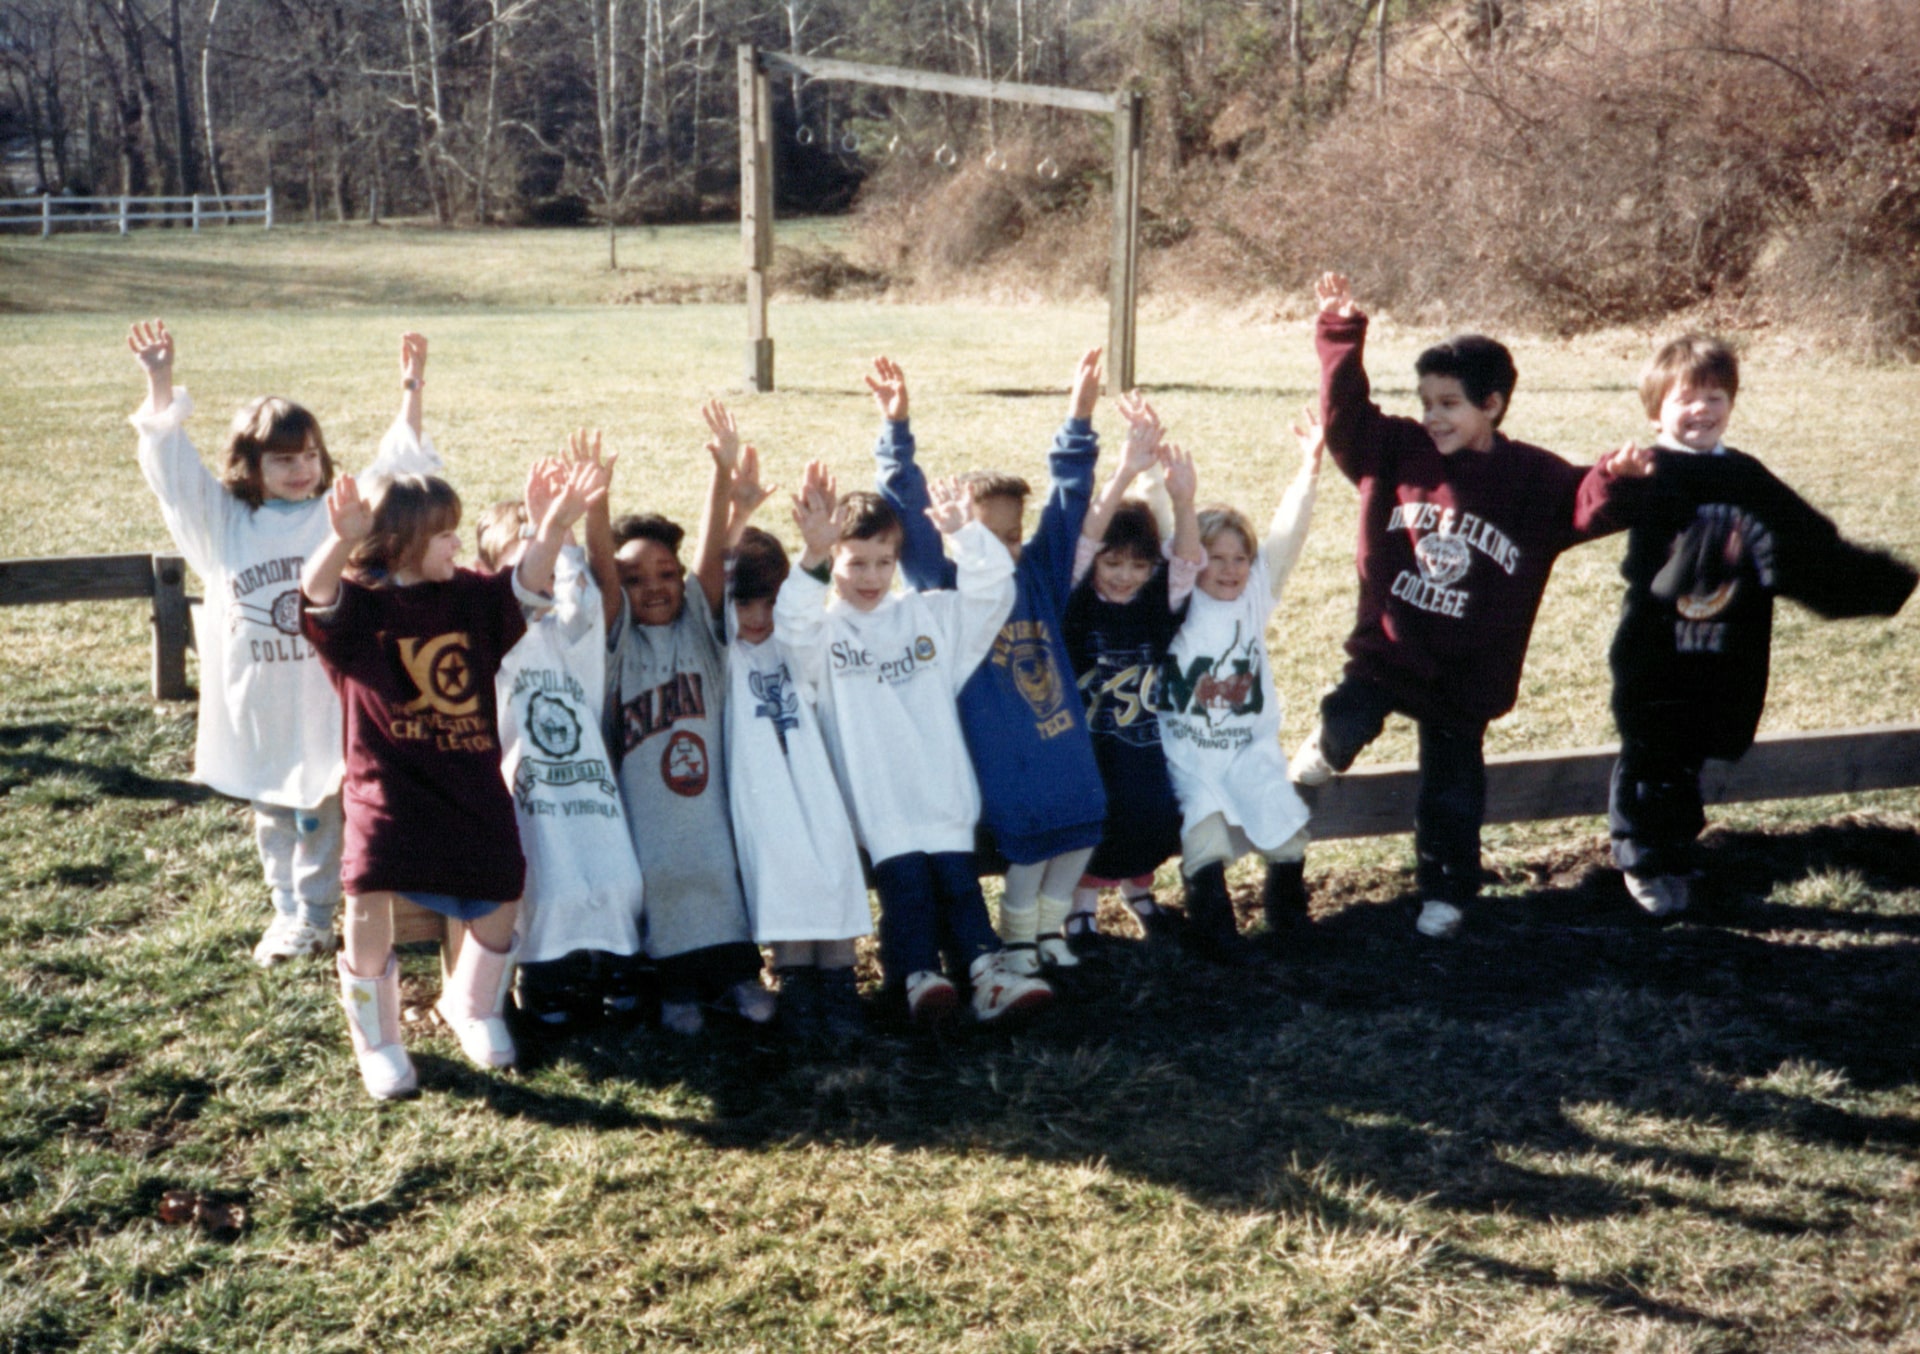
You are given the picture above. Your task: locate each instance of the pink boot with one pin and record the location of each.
(373, 1020)
(473, 998)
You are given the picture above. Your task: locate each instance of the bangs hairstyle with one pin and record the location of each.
(498, 531)
(1483, 367)
(1219, 518)
(1131, 531)
(1695, 360)
(866, 516)
(987, 484)
(408, 511)
(759, 566)
(263, 425)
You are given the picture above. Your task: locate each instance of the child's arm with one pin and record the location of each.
(405, 449)
(152, 348)
(1140, 452)
(1354, 424)
(583, 446)
(710, 554)
(413, 378)
(745, 495)
(1287, 536)
(899, 480)
(563, 494)
(351, 519)
(983, 581)
(799, 616)
(194, 504)
(1185, 555)
(1600, 506)
(1049, 552)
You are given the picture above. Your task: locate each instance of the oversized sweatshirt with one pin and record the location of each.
(1025, 725)
(269, 727)
(1712, 539)
(888, 681)
(1454, 551)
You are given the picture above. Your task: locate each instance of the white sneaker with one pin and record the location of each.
(1439, 920)
(752, 1001)
(1023, 959)
(999, 991)
(290, 938)
(930, 997)
(1056, 953)
(1659, 895)
(1308, 765)
(682, 1017)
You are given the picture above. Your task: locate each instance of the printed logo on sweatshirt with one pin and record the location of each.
(851, 659)
(1022, 650)
(1217, 694)
(777, 701)
(555, 729)
(278, 615)
(681, 696)
(1119, 694)
(441, 670)
(683, 764)
(1445, 542)
(1706, 565)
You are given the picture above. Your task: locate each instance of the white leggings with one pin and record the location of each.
(1056, 878)
(1215, 841)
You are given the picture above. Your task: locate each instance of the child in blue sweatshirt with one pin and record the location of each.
(1042, 803)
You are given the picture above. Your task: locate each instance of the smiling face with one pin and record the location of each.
(753, 620)
(1001, 515)
(292, 476)
(1118, 575)
(1695, 416)
(653, 580)
(1229, 564)
(1455, 422)
(863, 570)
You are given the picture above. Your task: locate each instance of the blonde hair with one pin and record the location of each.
(408, 512)
(1220, 518)
(1696, 360)
(266, 424)
(498, 531)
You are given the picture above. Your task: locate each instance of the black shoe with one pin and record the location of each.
(1212, 933)
(800, 1003)
(629, 988)
(1284, 898)
(843, 1019)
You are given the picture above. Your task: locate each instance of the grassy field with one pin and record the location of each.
(1572, 1130)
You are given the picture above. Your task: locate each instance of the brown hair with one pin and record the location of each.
(266, 424)
(1132, 531)
(1690, 360)
(408, 511)
(867, 516)
(996, 484)
(1220, 518)
(497, 531)
(759, 566)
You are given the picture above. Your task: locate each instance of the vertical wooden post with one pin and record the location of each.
(756, 210)
(170, 622)
(123, 215)
(46, 215)
(267, 222)
(196, 212)
(1123, 273)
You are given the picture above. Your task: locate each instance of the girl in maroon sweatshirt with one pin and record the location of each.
(1459, 529)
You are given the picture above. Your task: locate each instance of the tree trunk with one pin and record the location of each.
(183, 138)
(206, 99)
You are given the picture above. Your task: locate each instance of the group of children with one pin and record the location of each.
(586, 759)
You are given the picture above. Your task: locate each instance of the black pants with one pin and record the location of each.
(706, 974)
(1653, 806)
(1453, 782)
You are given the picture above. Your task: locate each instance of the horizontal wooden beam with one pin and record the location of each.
(1535, 786)
(897, 77)
(75, 578)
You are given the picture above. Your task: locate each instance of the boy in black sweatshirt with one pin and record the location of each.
(1713, 537)
(1459, 529)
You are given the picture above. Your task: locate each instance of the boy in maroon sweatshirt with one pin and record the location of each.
(1459, 529)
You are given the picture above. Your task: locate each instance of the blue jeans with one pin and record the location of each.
(930, 903)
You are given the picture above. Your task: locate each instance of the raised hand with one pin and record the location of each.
(413, 359)
(572, 489)
(1334, 293)
(1628, 462)
(1311, 436)
(583, 448)
(546, 480)
(724, 444)
(746, 491)
(152, 348)
(951, 505)
(1085, 392)
(889, 386)
(1143, 433)
(816, 511)
(350, 515)
(1182, 480)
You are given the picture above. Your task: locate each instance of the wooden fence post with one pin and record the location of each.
(171, 623)
(123, 214)
(756, 210)
(1124, 270)
(196, 213)
(267, 221)
(46, 215)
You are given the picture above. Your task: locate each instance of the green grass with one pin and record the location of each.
(1570, 1131)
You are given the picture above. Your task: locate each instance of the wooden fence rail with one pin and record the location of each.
(107, 578)
(48, 211)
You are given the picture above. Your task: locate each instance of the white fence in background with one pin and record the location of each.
(49, 211)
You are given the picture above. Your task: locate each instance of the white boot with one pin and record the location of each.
(1054, 952)
(473, 998)
(373, 1020)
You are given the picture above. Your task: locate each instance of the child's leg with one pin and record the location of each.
(370, 993)
(368, 933)
(1654, 811)
(303, 878)
(1446, 822)
(316, 862)
(960, 906)
(473, 997)
(1284, 895)
(909, 933)
(1351, 716)
(1205, 851)
(1057, 881)
(1019, 917)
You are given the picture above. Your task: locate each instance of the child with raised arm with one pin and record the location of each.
(269, 728)
(1042, 803)
(888, 668)
(579, 922)
(1130, 594)
(413, 644)
(1459, 529)
(1712, 539)
(1220, 720)
(669, 683)
(799, 860)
